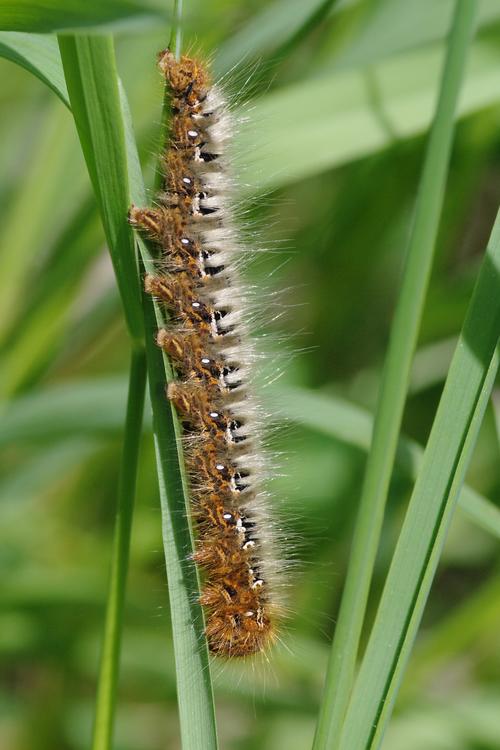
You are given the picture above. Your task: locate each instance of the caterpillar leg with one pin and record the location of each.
(150, 221)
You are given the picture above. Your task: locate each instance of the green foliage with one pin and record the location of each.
(332, 124)
(68, 15)
(394, 386)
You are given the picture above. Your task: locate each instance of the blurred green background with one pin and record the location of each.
(333, 135)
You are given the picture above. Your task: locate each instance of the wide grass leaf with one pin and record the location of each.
(331, 120)
(67, 15)
(344, 421)
(38, 54)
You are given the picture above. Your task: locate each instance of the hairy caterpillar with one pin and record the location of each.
(198, 283)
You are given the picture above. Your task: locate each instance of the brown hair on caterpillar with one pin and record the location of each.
(197, 283)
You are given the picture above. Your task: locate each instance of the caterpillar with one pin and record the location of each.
(197, 281)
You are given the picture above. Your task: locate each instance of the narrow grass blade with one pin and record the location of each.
(110, 657)
(393, 389)
(43, 16)
(90, 64)
(194, 689)
(451, 442)
(95, 101)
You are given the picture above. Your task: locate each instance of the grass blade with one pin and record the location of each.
(393, 390)
(90, 64)
(452, 439)
(95, 101)
(110, 657)
(331, 121)
(38, 54)
(194, 689)
(66, 15)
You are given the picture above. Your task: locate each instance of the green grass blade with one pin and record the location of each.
(194, 689)
(83, 58)
(110, 657)
(393, 389)
(68, 15)
(38, 54)
(452, 439)
(330, 118)
(95, 101)
(86, 407)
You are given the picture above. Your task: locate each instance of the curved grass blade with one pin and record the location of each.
(393, 390)
(449, 449)
(39, 55)
(93, 99)
(331, 121)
